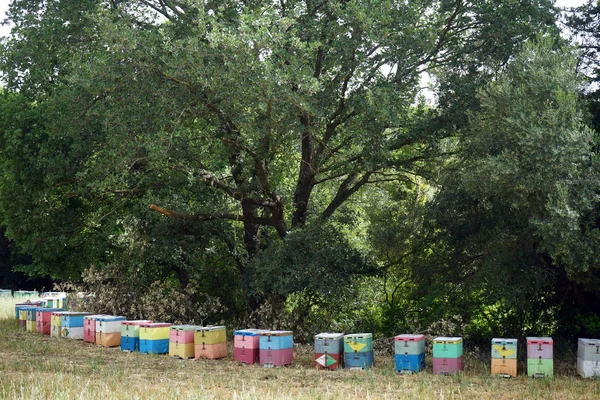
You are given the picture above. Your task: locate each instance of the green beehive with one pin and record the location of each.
(447, 347)
(540, 367)
(358, 343)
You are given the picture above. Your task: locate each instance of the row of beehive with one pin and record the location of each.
(276, 347)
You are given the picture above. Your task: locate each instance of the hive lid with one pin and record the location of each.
(209, 328)
(49, 309)
(326, 335)
(539, 340)
(358, 335)
(409, 337)
(60, 313)
(249, 332)
(589, 342)
(111, 318)
(446, 339)
(277, 333)
(156, 325)
(137, 322)
(504, 341)
(185, 328)
(75, 313)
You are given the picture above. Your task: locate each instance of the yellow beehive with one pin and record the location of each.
(210, 335)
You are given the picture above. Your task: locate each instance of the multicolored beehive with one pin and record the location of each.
(358, 350)
(56, 323)
(26, 293)
(43, 320)
(130, 334)
(276, 348)
(588, 358)
(31, 316)
(409, 353)
(23, 314)
(181, 341)
(447, 355)
(210, 342)
(246, 345)
(329, 350)
(540, 357)
(19, 306)
(72, 324)
(504, 357)
(154, 337)
(108, 330)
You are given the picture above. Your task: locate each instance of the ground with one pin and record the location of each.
(37, 367)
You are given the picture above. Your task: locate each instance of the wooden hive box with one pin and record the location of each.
(19, 306)
(358, 343)
(24, 317)
(407, 344)
(56, 324)
(329, 350)
(130, 334)
(246, 345)
(540, 367)
(181, 341)
(43, 320)
(540, 347)
(5, 293)
(31, 315)
(154, 337)
(447, 347)
(276, 348)
(89, 328)
(504, 366)
(210, 335)
(588, 358)
(361, 360)
(72, 324)
(108, 330)
(504, 348)
(447, 366)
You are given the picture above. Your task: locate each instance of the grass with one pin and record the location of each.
(34, 367)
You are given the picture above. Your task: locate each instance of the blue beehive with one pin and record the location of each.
(358, 360)
(268, 340)
(160, 346)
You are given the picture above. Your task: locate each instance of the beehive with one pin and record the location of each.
(23, 316)
(588, 358)
(154, 337)
(31, 315)
(108, 330)
(504, 357)
(181, 341)
(130, 334)
(5, 293)
(276, 348)
(447, 355)
(246, 345)
(409, 353)
(26, 293)
(19, 306)
(329, 349)
(43, 320)
(358, 350)
(210, 342)
(540, 362)
(56, 324)
(72, 324)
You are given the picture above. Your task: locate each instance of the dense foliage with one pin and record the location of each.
(276, 163)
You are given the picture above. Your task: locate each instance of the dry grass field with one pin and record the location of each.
(40, 367)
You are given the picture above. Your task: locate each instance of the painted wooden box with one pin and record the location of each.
(210, 335)
(539, 347)
(409, 344)
(181, 350)
(23, 317)
(504, 367)
(363, 359)
(210, 351)
(329, 361)
(31, 316)
(588, 368)
(329, 348)
(43, 320)
(447, 347)
(504, 348)
(89, 328)
(246, 343)
(130, 334)
(20, 306)
(56, 324)
(270, 357)
(409, 362)
(154, 337)
(182, 333)
(72, 324)
(108, 330)
(5, 293)
(447, 366)
(276, 340)
(358, 343)
(540, 367)
(588, 349)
